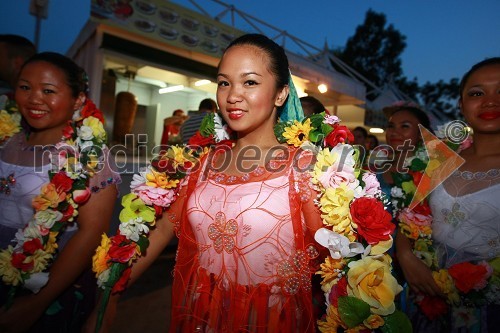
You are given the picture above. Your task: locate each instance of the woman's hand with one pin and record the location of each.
(419, 276)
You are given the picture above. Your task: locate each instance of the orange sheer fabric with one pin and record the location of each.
(246, 251)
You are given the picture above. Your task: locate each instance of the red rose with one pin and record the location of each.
(338, 290)
(339, 134)
(18, 262)
(121, 284)
(422, 209)
(31, 246)
(433, 307)
(374, 222)
(62, 182)
(468, 276)
(123, 252)
(199, 140)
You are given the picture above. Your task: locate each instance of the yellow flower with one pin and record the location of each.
(160, 179)
(408, 187)
(9, 124)
(40, 261)
(332, 321)
(100, 258)
(298, 133)
(10, 274)
(334, 206)
(51, 245)
(445, 283)
(324, 159)
(96, 126)
(370, 280)
(48, 197)
(374, 321)
(330, 272)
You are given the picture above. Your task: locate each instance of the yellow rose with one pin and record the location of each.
(370, 280)
(40, 261)
(100, 258)
(96, 126)
(374, 321)
(9, 124)
(334, 206)
(445, 283)
(10, 274)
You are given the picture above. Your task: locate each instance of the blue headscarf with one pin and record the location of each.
(292, 110)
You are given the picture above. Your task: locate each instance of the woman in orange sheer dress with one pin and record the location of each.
(246, 218)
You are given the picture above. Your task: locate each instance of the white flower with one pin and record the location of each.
(397, 192)
(133, 228)
(47, 218)
(103, 278)
(220, 129)
(36, 281)
(339, 245)
(85, 133)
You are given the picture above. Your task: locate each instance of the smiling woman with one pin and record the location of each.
(48, 222)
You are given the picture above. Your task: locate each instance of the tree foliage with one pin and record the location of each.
(375, 52)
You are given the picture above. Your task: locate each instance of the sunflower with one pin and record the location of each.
(298, 133)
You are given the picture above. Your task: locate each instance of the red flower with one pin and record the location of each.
(62, 182)
(433, 307)
(122, 249)
(338, 290)
(91, 110)
(339, 134)
(68, 213)
(18, 262)
(374, 222)
(468, 276)
(121, 284)
(31, 246)
(422, 209)
(417, 176)
(199, 140)
(68, 132)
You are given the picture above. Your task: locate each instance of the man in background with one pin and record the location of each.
(193, 123)
(14, 51)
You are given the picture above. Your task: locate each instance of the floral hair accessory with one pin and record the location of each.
(10, 119)
(74, 161)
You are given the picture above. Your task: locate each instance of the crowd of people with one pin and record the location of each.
(246, 253)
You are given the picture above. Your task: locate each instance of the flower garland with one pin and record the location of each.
(76, 159)
(464, 284)
(356, 277)
(10, 119)
(357, 227)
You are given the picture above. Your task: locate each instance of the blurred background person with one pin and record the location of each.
(193, 122)
(371, 142)
(14, 51)
(311, 106)
(172, 128)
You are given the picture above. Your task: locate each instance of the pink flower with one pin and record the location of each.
(408, 216)
(372, 185)
(155, 195)
(81, 196)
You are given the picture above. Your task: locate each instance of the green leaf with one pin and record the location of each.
(397, 322)
(143, 243)
(353, 310)
(417, 165)
(207, 126)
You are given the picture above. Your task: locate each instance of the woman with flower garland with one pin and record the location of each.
(458, 289)
(56, 200)
(246, 218)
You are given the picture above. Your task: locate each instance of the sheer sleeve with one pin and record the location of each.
(107, 175)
